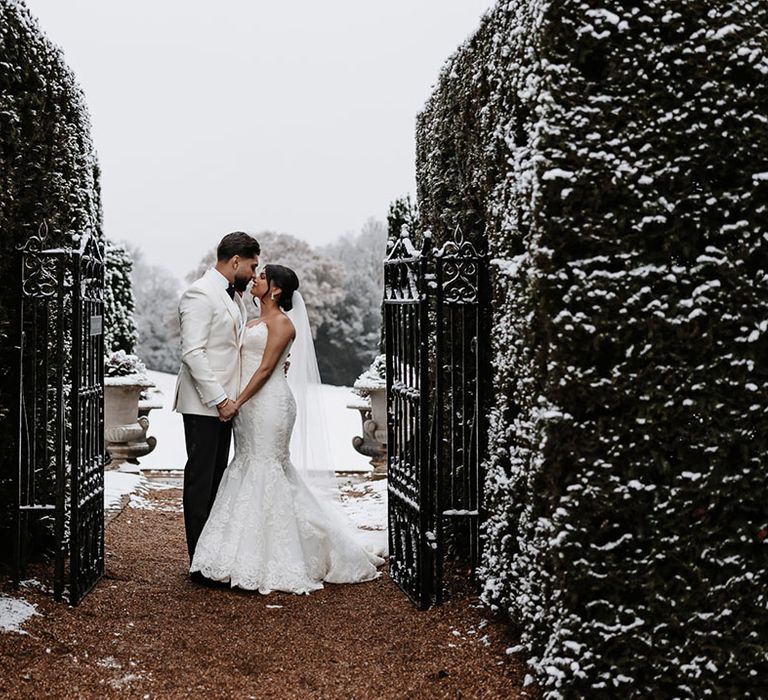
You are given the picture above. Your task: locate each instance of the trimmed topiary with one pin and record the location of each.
(48, 175)
(615, 156)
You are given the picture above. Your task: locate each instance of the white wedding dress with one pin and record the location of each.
(267, 530)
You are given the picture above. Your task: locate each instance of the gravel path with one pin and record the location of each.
(146, 631)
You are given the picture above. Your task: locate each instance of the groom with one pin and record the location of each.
(212, 319)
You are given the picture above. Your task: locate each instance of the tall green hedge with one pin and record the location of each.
(615, 154)
(48, 174)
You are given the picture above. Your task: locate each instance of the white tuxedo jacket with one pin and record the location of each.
(212, 327)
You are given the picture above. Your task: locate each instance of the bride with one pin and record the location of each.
(272, 527)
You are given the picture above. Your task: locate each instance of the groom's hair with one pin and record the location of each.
(237, 243)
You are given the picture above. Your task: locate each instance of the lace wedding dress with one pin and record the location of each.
(267, 530)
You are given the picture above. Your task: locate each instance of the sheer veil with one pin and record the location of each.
(310, 441)
(310, 446)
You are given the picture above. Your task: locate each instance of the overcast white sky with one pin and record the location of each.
(245, 114)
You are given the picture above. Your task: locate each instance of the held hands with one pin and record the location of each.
(227, 410)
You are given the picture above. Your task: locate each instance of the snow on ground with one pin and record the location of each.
(166, 426)
(14, 612)
(170, 453)
(118, 483)
(343, 424)
(365, 503)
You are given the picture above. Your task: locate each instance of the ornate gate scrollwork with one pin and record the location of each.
(435, 312)
(61, 455)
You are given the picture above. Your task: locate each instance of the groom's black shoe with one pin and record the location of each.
(198, 578)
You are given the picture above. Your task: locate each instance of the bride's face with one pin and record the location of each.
(260, 285)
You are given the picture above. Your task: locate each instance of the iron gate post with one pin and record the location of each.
(61, 453)
(87, 449)
(74, 554)
(439, 427)
(426, 511)
(483, 374)
(17, 515)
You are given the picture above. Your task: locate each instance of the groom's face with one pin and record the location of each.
(245, 270)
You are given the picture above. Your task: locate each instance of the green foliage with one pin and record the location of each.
(119, 305)
(48, 174)
(616, 157)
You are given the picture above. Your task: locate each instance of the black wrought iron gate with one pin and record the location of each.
(61, 455)
(436, 334)
(406, 318)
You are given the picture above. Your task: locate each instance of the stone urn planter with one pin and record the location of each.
(378, 399)
(371, 387)
(125, 431)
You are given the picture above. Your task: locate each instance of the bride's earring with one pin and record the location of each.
(273, 296)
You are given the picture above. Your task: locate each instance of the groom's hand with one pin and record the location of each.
(227, 410)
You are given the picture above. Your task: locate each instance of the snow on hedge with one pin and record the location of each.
(615, 155)
(48, 175)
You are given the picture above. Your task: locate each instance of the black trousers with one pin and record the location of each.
(207, 440)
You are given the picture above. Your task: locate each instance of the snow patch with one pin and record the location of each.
(118, 484)
(14, 612)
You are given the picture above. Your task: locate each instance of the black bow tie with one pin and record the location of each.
(231, 291)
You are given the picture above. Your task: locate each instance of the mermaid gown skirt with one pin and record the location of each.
(268, 531)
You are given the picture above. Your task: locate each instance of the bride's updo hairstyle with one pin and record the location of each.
(284, 278)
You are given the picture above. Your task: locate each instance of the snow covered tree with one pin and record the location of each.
(615, 155)
(157, 294)
(119, 305)
(348, 340)
(342, 286)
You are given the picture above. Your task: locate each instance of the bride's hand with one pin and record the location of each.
(227, 410)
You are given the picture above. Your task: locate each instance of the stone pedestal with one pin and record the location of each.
(373, 442)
